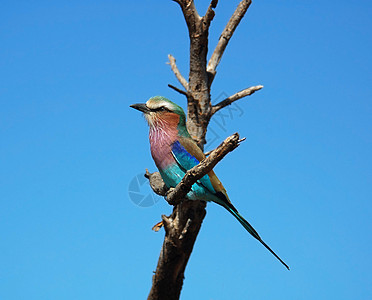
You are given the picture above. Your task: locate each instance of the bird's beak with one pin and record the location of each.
(141, 107)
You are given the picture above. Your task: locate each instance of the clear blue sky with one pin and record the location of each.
(70, 146)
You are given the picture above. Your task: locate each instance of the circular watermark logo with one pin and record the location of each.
(140, 192)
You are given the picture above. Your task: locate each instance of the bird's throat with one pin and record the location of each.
(163, 133)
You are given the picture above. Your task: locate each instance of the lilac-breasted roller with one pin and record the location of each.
(175, 152)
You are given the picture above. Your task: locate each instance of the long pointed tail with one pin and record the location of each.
(251, 230)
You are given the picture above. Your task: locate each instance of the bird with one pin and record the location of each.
(174, 152)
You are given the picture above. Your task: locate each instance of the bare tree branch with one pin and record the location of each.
(178, 90)
(209, 15)
(156, 183)
(190, 13)
(176, 71)
(181, 230)
(225, 37)
(235, 97)
(198, 102)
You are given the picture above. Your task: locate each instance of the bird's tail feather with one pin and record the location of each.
(251, 230)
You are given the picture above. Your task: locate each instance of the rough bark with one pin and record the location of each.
(183, 225)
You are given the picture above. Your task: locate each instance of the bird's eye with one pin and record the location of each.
(161, 108)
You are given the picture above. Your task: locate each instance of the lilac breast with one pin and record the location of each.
(161, 146)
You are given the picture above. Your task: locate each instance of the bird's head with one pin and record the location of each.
(163, 113)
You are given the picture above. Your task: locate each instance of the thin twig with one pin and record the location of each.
(178, 90)
(237, 96)
(176, 71)
(225, 37)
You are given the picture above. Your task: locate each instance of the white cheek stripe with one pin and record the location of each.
(154, 105)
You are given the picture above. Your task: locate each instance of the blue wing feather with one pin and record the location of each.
(186, 161)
